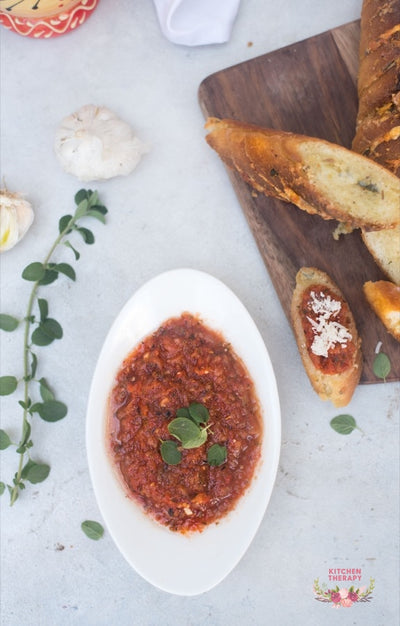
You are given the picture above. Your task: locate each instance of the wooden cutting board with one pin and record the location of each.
(308, 88)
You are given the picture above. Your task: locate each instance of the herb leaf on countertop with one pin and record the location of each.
(92, 529)
(344, 424)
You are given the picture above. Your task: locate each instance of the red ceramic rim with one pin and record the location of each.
(50, 26)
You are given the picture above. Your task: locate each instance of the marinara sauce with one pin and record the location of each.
(184, 361)
(332, 326)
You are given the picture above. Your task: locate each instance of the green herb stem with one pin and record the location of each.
(47, 330)
(27, 349)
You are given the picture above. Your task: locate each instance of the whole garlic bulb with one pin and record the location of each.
(94, 144)
(16, 216)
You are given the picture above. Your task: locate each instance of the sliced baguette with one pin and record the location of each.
(337, 387)
(384, 298)
(315, 175)
(384, 245)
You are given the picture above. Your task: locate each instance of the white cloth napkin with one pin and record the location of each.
(197, 22)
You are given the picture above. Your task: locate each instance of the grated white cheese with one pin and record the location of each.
(327, 332)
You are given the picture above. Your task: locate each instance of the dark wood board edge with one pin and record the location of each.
(267, 216)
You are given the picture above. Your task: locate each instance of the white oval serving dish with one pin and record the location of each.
(182, 564)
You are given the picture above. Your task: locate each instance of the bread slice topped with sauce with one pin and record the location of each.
(316, 175)
(384, 298)
(326, 336)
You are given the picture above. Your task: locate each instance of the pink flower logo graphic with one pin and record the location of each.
(343, 597)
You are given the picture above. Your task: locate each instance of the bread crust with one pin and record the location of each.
(339, 387)
(379, 19)
(384, 298)
(377, 133)
(317, 176)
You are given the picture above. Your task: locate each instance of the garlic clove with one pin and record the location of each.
(16, 217)
(94, 144)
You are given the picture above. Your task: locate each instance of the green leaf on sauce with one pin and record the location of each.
(216, 455)
(187, 432)
(198, 413)
(189, 428)
(381, 365)
(93, 530)
(170, 453)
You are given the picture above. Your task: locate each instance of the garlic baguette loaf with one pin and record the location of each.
(316, 175)
(378, 120)
(326, 336)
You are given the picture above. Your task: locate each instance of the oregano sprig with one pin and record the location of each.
(190, 428)
(40, 329)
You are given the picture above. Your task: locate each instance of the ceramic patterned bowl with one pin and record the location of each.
(44, 18)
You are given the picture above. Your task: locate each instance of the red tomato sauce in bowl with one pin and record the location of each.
(184, 362)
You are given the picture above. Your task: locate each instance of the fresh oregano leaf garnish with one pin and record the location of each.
(189, 428)
(381, 365)
(198, 413)
(170, 453)
(92, 529)
(344, 424)
(216, 455)
(41, 330)
(187, 432)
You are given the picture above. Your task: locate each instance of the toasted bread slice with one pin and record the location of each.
(384, 245)
(384, 298)
(316, 175)
(326, 336)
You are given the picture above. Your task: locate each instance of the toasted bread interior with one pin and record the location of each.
(384, 245)
(356, 185)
